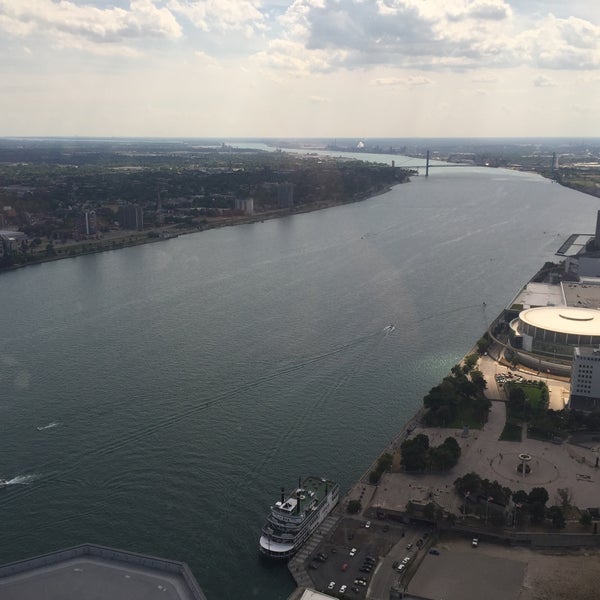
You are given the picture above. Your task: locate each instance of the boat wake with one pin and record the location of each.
(49, 426)
(21, 480)
(388, 329)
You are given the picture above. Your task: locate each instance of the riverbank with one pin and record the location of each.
(118, 240)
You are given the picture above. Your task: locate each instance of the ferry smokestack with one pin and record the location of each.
(300, 478)
(282, 495)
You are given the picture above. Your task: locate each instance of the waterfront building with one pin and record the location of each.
(554, 331)
(86, 223)
(131, 216)
(90, 571)
(246, 205)
(285, 194)
(10, 241)
(585, 379)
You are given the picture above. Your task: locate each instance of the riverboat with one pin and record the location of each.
(293, 519)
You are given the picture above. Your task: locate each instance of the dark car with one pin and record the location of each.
(434, 552)
(365, 569)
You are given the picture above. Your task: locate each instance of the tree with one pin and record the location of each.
(537, 513)
(354, 507)
(470, 362)
(565, 497)
(585, 519)
(555, 513)
(478, 380)
(483, 345)
(520, 497)
(538, 495)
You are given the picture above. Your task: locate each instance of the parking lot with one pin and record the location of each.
(363, 556)
(462, 571)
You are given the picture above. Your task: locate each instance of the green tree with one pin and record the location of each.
(470, 362)
(354, 507)
(586, 518)
(483, 345)
(538, 495)
(520, 497)
(556, 515)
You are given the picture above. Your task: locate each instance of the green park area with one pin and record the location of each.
(459, 400)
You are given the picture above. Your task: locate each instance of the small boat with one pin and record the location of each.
(3, 482)
(49, 426)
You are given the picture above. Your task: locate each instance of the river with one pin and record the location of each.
(187, 381)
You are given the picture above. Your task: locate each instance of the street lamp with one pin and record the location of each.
(487, 502)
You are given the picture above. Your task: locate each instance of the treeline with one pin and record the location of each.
(459, 399)
(418, 455)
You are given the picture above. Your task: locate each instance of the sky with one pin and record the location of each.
(300, 68)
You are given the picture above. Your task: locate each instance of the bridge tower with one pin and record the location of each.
(427, 165)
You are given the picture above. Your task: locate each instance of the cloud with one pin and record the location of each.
(242, 16)
(543, 81)
(79, 26)
(410, 81)
(432, 35)
(319, 99)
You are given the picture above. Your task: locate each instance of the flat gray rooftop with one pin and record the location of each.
(100, 573)
(535, 294)
(584, 295)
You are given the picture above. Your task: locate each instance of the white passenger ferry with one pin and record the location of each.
(294, 518)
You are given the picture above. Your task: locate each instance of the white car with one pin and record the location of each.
(406, 560)
(353, 551)
(368, 524)
(331, 585)
(342, 589)
(475, 543)
(401, 567)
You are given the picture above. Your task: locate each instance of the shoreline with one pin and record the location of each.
(145, 237)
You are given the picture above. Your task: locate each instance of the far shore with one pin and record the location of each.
(117, 240)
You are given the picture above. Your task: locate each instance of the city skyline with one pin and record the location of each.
(283, 68)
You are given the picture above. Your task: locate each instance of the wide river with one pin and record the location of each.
(189, 380)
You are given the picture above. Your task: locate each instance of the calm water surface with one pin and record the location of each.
(190, 379)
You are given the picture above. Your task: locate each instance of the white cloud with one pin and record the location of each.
(82, 27)
(544, 81)
(242, 16)
(438, 34)
(319, 99)
(405, 81)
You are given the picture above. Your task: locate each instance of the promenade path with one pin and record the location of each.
(553, 466)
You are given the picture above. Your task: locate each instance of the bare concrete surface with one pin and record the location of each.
(466, 573)
(496, 572)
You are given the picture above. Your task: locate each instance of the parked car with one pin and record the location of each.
(345, 567)
(368, 524)
(409, 546)
(353, 551)
(331, 585)
(434, 552)
(342, 589)
(475, 542)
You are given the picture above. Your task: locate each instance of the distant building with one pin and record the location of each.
(10, 241)
(285, 194)
(131, 216)
(86, 223)
(246, 205)
(585, 380)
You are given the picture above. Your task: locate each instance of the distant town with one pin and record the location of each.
(61, 198)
